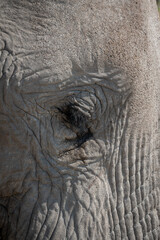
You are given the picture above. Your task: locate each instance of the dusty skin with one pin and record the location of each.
(79, 120)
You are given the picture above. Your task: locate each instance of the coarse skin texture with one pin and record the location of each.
(79, 120)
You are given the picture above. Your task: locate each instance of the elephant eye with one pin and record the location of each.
(74, 116)
(76, 120)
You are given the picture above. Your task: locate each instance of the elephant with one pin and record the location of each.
(79, 120)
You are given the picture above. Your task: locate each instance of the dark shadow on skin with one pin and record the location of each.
(84, 138)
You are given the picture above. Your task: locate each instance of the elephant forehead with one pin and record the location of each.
(85, 31)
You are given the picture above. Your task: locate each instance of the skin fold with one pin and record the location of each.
(79, 120)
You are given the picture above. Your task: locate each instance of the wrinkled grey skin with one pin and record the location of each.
(79, 109)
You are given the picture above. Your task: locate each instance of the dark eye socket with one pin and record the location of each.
(74, 116)
(77, 121)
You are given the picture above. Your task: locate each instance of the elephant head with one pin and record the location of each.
(79, 110)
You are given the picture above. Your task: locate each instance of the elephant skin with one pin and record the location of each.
(79, 120)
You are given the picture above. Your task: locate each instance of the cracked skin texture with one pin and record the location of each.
(79, 110)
